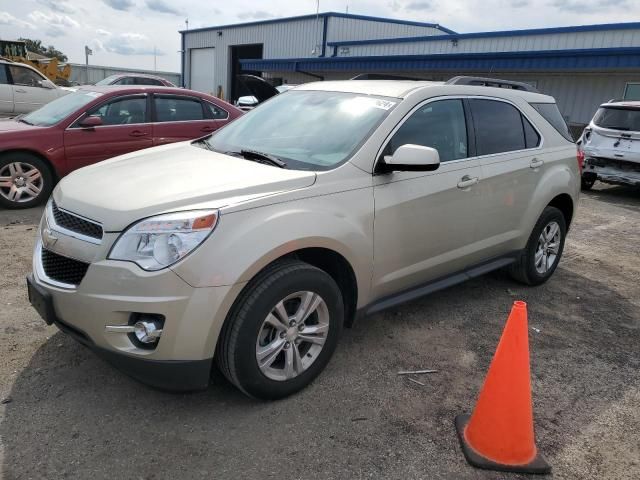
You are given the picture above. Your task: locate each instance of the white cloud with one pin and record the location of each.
(162, 7)
(127, 44)
(62, 6)
(54, 24)
(122, 5)
(7, 19)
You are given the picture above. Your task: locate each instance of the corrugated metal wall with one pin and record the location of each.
(556, 41)
(96, 73)
(341, 29)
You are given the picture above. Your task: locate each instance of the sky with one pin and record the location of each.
(127, 33)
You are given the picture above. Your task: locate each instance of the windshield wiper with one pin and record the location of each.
(261, 157)
(24, 121)
(202, 142)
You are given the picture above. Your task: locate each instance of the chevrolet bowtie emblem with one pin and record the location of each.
(48, 238)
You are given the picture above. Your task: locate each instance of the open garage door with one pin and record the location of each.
(201, 70)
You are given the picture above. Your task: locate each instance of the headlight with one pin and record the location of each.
(157, 242)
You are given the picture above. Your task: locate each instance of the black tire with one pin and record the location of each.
(524, 269)
(236, 350)
(587, 181)
(25, 159)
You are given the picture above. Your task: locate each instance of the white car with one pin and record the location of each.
(611, 145)
(24, 89)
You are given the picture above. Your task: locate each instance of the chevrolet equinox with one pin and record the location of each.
(252, 247)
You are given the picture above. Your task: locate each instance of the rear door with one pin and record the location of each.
(6, 92)
(425, 222)
(184, 117)
(125, 128)
(28, 92)
(512, 161)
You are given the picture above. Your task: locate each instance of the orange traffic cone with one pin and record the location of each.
(499, 433)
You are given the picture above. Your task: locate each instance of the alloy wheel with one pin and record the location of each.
(20, 182)
(547, 248)
(292, 335)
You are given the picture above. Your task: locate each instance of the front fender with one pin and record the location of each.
(245, 242)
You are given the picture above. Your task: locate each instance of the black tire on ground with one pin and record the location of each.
(26, 160)
(236, 349)
(524, 269)
(587, 181)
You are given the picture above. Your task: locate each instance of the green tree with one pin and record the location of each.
(36, 46)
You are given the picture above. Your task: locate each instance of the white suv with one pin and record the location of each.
(255, 245)
(24, 89)
(611, 145)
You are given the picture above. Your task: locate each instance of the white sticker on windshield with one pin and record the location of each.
(94, 94)
(383, 104)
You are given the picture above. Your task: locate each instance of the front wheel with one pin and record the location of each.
(542, 254)
(25, 180)
(282, 331)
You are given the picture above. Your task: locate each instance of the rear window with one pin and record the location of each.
(618, 118)
(552, 115)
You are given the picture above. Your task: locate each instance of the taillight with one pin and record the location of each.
(580, 159)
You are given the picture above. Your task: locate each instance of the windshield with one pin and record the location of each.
(618, 118)
(59, 109)
(309, 130)
(108, 80)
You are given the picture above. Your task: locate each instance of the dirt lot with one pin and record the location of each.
(72, 416)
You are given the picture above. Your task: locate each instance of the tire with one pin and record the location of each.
(247, 333)
(587, 181)
(25, 180)
(528, 268)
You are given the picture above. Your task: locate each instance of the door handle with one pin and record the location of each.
(208, 129)
(536, 163)
(138, 133)
(467, 181)
(20, 90)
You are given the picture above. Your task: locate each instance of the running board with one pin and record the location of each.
(434, 286)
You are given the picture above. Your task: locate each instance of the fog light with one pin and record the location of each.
(147, 332)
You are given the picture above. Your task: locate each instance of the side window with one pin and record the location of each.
(214, 112)
(531, 137)
(148, 81)
(24, 76)
(498, 125)
(440, 125)
(122, 111)
(3, 75)
(175, 109)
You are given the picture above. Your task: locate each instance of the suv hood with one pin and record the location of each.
(174, 177)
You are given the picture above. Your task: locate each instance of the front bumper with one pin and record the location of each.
(108, 295)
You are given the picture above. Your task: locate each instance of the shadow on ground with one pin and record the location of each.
(74, 416)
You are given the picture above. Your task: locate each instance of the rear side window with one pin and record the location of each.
(174, 109)
(552, 115)
(214, 112)
(500, 127)
(147, 81)
(440, 125)
(3, 75)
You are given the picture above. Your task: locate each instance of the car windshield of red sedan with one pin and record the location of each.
(59, 109)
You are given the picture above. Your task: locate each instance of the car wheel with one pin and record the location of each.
(282, 330)
(542, 254)
(587, 181)
(25, 180)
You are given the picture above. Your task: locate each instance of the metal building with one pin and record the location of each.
(581, 66)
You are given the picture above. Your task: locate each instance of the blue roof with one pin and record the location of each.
(502, 33)
(578, 59)
(322, 15)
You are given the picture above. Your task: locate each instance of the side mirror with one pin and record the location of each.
(46, 84)
(412, 158)
(247, 101)
(91, 122)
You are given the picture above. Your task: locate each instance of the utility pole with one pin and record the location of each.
(186, 22)
(87, 52)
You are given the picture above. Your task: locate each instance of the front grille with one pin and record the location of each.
(63, 269)
(75, 223)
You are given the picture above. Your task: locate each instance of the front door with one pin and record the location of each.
(181, 117)
(426, 222)
(28, 92)
(125, 128)
(6, 92)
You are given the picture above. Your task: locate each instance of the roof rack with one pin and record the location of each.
(491, 82)
(382, 76)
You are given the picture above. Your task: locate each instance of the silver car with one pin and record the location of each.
(253, 247)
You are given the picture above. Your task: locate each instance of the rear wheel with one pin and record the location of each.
(542, 254)
(282, 331)
(25, 180)
(588, 180)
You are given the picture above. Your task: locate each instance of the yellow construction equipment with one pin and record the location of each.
(16, 51)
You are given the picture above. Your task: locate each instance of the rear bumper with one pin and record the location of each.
(617, 172)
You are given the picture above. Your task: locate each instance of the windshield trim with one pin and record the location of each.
(299, 165)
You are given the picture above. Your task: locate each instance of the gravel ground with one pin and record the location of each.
(69, 415)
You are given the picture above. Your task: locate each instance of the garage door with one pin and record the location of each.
(202, 63)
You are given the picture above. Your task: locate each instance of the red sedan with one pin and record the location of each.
(95, 123)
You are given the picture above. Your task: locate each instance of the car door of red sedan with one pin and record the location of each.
(184, 117)
(125, 128)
